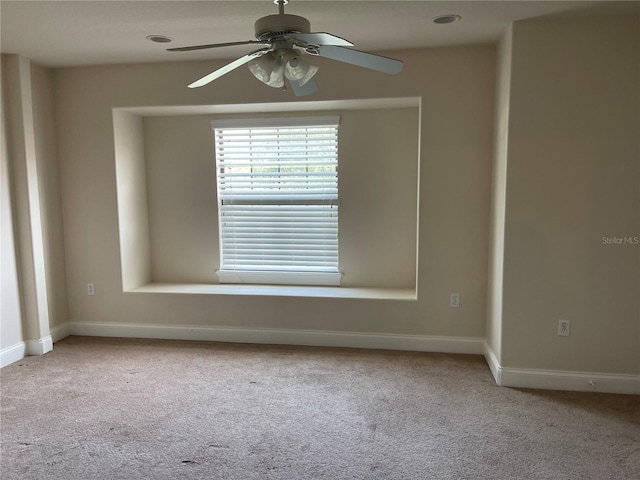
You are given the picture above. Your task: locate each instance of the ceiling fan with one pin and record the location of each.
(286, 38)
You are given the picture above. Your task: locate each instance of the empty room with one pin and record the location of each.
(315, 239)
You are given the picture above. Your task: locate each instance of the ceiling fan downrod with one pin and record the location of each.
(272, 26)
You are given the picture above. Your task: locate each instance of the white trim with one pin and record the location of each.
(40, 346)
(574, 381)
(277, 291)
(12, 354)
(59, 332)
(494, 364)
(561, 380)
(20, 350)
(312, 121)
(280, 278)
(418, 343)
(275, 107)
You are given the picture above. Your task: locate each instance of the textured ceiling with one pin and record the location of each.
(73, 33)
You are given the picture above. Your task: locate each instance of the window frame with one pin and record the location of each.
(277, 276)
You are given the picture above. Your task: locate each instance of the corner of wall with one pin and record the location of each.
(45, 130)
(26, 196)
(33, 269)
(498, 197)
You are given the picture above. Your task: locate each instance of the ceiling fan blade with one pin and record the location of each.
(227, 68)
(361, 59)
(215, 45)
(303, 90)
(320, 38)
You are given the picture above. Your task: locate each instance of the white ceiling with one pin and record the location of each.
(58, 33)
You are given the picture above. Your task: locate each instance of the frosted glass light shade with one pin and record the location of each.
(300, 70)
(277, 76)
(268, 69)
(273, 67)
(262, 67)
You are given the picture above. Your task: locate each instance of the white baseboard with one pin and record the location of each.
(494, 364)
(504, 376)
(59, 332)
(12, 354)
(40, 346)
(20, 350)
(576, 381)
(419, 343)
(561, 380)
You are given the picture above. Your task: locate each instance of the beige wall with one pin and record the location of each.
(183, 219)
(378, 164)
(573, 178)
(11, 331)
(456, 87)
(133, 216)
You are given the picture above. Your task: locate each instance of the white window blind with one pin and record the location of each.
(277, 183)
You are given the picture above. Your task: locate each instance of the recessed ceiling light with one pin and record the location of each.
(449, 18)
(159, 38)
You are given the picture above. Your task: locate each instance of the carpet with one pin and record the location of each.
(104, 408)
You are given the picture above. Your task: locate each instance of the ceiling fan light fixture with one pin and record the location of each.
(299, 69)
(277, 76)
(263, 67)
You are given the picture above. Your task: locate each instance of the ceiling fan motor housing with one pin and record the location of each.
(273, 26)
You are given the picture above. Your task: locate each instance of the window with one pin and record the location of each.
(277, 183)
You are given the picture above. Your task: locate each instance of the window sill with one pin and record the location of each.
(278, 291)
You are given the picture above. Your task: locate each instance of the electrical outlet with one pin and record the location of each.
(454, 300)
(91, 289)
(564, 328)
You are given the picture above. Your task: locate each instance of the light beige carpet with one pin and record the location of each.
(98, 408)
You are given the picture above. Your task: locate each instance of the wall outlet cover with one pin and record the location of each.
(564, 328)
(454, 300)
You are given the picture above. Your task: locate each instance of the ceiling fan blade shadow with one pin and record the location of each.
(228, 67)
(303, 90)
(361, 59)
(320, 38)
(216, 45)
